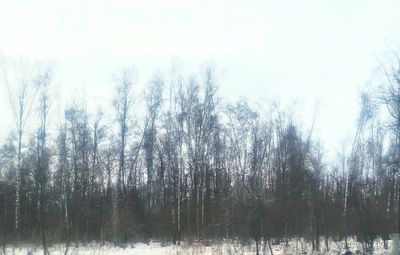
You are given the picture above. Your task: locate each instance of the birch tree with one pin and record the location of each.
(19, 77)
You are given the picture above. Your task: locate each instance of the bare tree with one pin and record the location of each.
(42, 153)
(123, 105)
(153, 101)
(21, 83)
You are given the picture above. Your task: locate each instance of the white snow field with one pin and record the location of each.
(156, 248)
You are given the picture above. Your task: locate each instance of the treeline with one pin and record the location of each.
(183, 165)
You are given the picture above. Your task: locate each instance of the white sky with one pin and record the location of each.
(306, 51)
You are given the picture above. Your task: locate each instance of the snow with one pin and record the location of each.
(297, 246)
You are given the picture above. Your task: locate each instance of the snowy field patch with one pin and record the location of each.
(233, 248)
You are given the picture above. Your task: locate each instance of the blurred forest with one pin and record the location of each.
(182, 164)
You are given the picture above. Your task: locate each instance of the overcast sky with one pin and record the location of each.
(312, 52)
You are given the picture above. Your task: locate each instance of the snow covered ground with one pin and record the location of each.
(155, 248)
